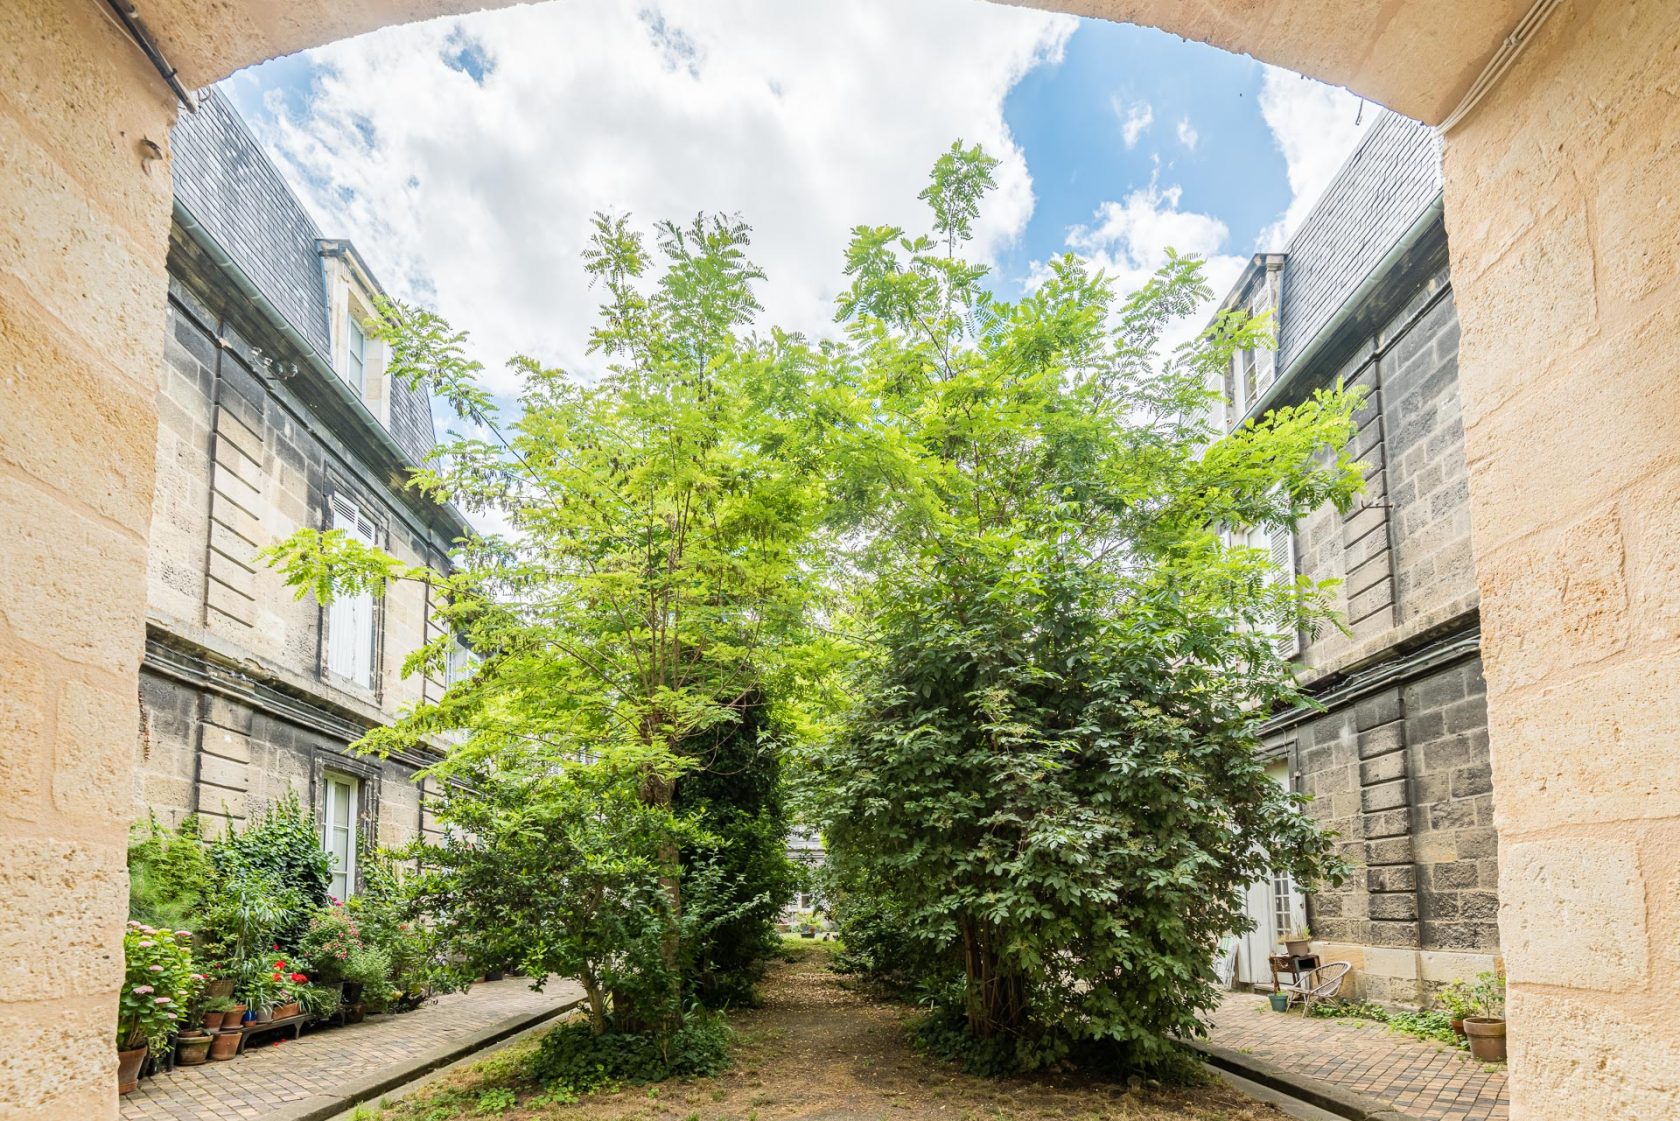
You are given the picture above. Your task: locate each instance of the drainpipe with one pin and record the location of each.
(1405, 244)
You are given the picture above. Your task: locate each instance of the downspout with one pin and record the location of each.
(1405, 244)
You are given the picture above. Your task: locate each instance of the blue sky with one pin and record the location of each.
(465, 156)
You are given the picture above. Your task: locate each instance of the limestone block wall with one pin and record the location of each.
(1565, 234)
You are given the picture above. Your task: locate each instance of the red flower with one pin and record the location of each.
(277, 976)
(299, 978)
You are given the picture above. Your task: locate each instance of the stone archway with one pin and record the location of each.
(1565, 233)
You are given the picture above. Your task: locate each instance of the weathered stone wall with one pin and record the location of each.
(1565, 231)
(1564, 235)
(224, 759)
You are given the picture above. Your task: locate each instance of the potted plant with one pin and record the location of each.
(1486, 1028)
(158, 985)
(290, 985)
(1459, 1002)
(1298, 942)
(261, 989)
(224, 1045)
(1279, 1001)
(320, 1001)
(192, 1047)
(216, 1010)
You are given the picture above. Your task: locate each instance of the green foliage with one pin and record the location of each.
(576, 1060)
(1488, 994)
(1458, 999)
(1432, 1026)
(279, 856)
(170, 874)
(737, 869)
(1052, 764)
(159, 985)
(328, 942)
(497, 1101)
(398, 960)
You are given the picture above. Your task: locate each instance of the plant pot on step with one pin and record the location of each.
(291, 1008)
(128, 1069)
(217, 989)
(1487, 1038)
(191, 1050)
(234, 1016)
(224, 1045)
(1298, 947)
(1280, 1001)
(213, 1021)
(261, 1015)
(352, 991)
(357, 1013)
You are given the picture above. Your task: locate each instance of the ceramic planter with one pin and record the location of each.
(128, 1069)
(1487, 1038)
(291, 1008)
(1458, 1028)
(191, 1050)
(352, 991)
(1298, 947)
(213, 1020)
(1280, 1001)
(218, 988)
(224, 1045)
(234, 1016)
(356, 1013)
(261, 1015)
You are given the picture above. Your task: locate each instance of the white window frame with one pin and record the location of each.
(355, 353)
(341, 792)
(352, 646)
(1281, 543)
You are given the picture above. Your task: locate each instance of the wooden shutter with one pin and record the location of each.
(1281, 542)
(350, 619)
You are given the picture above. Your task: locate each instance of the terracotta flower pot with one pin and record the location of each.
(213, 1020)
(224, 1045)
(1487, 1037)
(358, 1012)
(291, 1008)
(218, 988)
(191, 1050)
(1298, 947)
(234, 1016)
(1458, 1028)
(128, 1069)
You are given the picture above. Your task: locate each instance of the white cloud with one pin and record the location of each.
(1128, 240)
(1135, 118)
(807, 119)
(1316, 127)
(1187, 133)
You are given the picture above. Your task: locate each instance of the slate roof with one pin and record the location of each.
(1384, 187)
(231, 188)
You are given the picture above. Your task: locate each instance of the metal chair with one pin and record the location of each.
(1318, 984)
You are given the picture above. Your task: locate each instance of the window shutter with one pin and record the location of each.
(1282, 545)
(1265, 362)
(350, 619)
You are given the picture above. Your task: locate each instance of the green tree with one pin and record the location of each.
(653, 587)
(1050, 773)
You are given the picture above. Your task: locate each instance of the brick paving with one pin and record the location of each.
(266, 1077)
(1426, 1080)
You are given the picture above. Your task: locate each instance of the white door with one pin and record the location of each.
(1270, 903)
(338, 834)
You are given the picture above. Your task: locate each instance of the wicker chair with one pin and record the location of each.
(1318, 984)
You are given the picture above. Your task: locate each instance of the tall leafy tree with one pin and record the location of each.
(1050, 774)
(654, 580)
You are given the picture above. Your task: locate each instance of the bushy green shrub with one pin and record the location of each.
(400, 961)
(171, 877)
(159, 986)
(576, 1060)
(279, 849)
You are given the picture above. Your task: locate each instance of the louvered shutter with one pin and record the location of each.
(1282, 544)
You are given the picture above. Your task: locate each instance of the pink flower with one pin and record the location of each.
(162, 1000)
(142, 990)
(183, 934)
(155, 968)
(145, 943)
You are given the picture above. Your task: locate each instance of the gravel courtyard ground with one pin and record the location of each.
(819, 1051)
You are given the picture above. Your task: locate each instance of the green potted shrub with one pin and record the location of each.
(215, 1011)
(158, 986)
(1486, 1028)
(1457, 1001)
(260, 987)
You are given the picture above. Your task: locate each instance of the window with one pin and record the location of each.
(1288, 914)
(338, 832)
(355, 353)
(351, 620)
(1281, 542)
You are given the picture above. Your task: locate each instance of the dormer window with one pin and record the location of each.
(358, 357)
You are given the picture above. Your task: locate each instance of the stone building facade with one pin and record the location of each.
(1397, 761)
(276, 413)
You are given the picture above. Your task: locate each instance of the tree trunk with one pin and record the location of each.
(997, 993)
